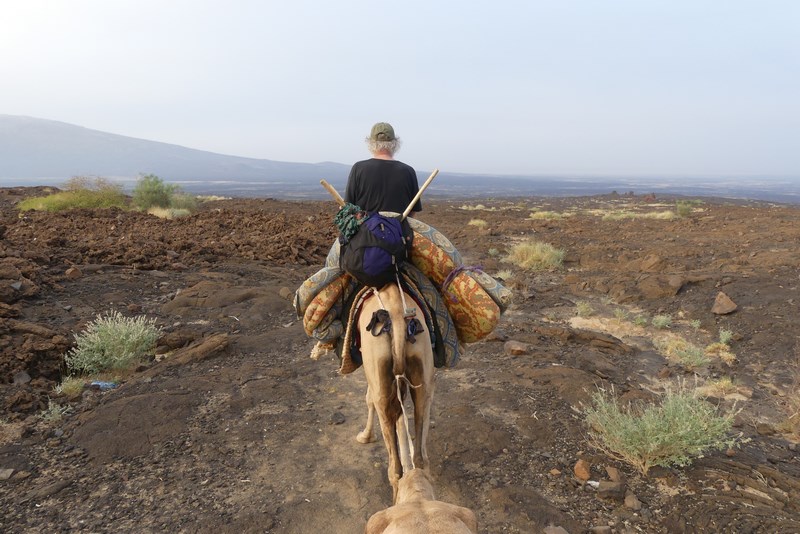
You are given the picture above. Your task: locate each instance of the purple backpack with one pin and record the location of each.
(373, 255)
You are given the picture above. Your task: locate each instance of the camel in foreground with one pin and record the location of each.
(418, 512)
(391, 363)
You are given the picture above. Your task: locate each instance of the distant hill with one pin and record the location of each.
(44, 152)
(38, 148)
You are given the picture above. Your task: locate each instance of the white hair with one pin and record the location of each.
(376, 146)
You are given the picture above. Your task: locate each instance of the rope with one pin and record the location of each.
(398, 379)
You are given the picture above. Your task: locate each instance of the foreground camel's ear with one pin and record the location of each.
(377, 523)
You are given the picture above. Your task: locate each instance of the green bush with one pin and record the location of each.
(683, 208)
(673, 433)
(112, 342)
(151, 191)
(81, 192)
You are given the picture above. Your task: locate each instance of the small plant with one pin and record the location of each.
(480, 223)
(641, 320)
(695, 323)
(70, 386)
(722, 351)
(536, 256)
(680, 350)
(621, 314)
(672, 433)
(725, 336)
(583, 309)
(692, 357)
(721, 387)
(151, 191)
(54, 412)
(112, 342)
(661, 321)
(505, 274)
(683, 208)
(493, 252)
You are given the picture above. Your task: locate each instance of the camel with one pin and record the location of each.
(418, 512)
(392, 364)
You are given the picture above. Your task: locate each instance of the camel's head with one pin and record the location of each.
(415, 485)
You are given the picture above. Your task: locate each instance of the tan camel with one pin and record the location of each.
(388, 355)
(418, 512)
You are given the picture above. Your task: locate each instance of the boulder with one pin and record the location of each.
(723, 304)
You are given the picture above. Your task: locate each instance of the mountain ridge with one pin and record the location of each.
(32, 148)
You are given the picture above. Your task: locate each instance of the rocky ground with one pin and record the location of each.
(234, 429)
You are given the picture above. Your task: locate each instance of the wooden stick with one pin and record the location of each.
(334, 193)
(419, 193)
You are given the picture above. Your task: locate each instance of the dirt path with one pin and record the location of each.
(247, 434)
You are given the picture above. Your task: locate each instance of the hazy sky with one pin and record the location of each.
(607, 87)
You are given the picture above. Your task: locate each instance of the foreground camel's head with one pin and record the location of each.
(417, 511)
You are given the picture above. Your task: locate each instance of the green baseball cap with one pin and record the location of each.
(382, 131)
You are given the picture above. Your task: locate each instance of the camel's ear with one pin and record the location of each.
(377, 523)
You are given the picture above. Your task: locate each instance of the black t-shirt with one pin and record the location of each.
(382, 185)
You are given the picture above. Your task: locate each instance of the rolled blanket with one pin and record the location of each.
(434, 255)
(325, 300)
(473, 311)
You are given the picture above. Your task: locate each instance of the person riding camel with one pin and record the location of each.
(380, 184)
(379, 243)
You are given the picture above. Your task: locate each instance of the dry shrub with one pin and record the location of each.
(536, 256)
(168, 213)
(720, 387)
(480, 223)
(548, 215)
(721, 351)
